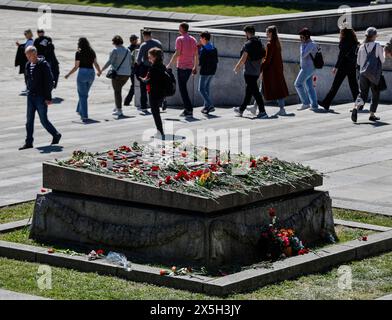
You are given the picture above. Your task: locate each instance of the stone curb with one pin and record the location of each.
(15, 225)
(387, 297)
(247, 280)
(360, 225)
(109, 12)
(12, 295)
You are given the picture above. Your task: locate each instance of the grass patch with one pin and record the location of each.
(372, 278)
(242, 8)
(16, 212)
(364, 217)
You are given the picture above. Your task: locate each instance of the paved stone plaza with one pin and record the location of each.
(356, 158)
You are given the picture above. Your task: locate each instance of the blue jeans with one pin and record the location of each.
(204, 89)
(304, 86)
(37, 103)
(84, 82)
(183, 76)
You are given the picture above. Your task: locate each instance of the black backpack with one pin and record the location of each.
(170, 83)
(318, 59)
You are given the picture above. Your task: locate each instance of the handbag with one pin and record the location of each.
(112, 73)
(382, 85)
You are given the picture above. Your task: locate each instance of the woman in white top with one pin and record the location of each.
(368, 47)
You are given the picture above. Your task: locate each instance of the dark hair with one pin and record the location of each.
(147, 32)
(205, 35)
(84, 45)
(40, 31)
(274, 31)
(157, 54)
(117, 40)
(305, 32)
(184, 26)
(250, 29)
(348, 35)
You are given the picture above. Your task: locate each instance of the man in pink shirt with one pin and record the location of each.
(187, 58)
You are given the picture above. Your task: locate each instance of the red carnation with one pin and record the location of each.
(100, 252)
(364, 238)
(183, 154)
(104, 163)
(272, 212)
(43, 190)
(154, 168)
(168, 179)
(253, 163)
(163, 272)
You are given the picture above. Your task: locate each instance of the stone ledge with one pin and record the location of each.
(15, 225)
(360, 225)
(247, 280)
(107, 11)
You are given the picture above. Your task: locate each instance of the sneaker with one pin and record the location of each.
(313, 109)
(186, 114)
(118, 113)
(114, 110)
(26, 146)
(84, 120)
(359, 103)
(303, 107)
(144, 111)
(374, 118)
(238, 112)
(56, 139)
(262, 115)
(326, 107)
(204, 110)
(354, 115)
(210, 109)
(253, 109)
(282, 112)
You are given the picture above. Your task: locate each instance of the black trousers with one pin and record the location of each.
(131, 92)
(183, 76)
(351, 73)
(156, 104)
(252, 90)
(364, 86)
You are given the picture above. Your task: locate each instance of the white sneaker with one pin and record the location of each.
(253, 109)
(238, 112)
(282, 112)
(262, 115)
(359, 103)
(118, 113)
(303, 107)
(114, 110)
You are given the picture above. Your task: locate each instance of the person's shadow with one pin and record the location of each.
(50, 149)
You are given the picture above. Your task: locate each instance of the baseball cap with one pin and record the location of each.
(371, 31)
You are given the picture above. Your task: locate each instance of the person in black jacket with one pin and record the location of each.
(155, 81)
(39, 85)
(208, 62)
(45, 48)
(346, 66)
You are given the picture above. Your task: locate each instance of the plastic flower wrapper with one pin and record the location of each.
(119, 259)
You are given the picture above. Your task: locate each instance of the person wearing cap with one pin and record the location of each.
(304, 82)
(143, 65)
(133, 48)
(369, 47)
(45, 48)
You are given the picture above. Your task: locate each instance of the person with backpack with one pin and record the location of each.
(120, 61)
(346, 66)
(274, 85)
(187, 59)
(157, 82)
(304, 81)
(45, 48)
(208, 62)
(143, 65)
(85, 61)
(40, 85)
(133, 49)
(370, 59)
(252, 54)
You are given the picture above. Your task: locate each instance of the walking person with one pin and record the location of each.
(143, 65)
(155, 83)
(187, 58)
(370, 59)
(252, 54)
(20, 58)
(46, 49)
(208, 62)
(274, 85)
(346, 66)
(39, 85)
(133, 49)
(85, 61)
(120, 61)
(304, 82)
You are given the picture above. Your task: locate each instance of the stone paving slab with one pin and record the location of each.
(12, 295)
(359, 225)
(7, 227)
(357, 159)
